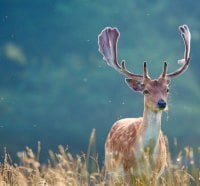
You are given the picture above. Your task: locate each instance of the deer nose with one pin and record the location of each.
(161, 104)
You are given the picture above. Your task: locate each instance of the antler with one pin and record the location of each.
(185, 33)
(107, 41)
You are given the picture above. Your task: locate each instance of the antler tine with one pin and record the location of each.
(129, 74)
(145, 70)
(185, 33)
(107, 41)
(163, 75)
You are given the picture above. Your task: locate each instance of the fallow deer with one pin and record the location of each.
(130, 138)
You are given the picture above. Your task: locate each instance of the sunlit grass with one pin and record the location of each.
(64, 169)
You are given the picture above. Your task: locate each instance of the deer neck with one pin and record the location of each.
(151, 127)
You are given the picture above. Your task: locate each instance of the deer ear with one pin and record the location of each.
(134, 84)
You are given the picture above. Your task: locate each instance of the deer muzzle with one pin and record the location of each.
(161, 104)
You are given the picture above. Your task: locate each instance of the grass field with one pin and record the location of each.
(82, 170)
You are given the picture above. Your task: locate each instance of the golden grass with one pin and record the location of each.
(83, 170)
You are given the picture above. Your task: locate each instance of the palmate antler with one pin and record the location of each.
(185, 33)
(108, 39)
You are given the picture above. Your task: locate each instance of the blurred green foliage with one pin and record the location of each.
(55, 87)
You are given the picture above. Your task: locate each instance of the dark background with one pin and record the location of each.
(55, 87)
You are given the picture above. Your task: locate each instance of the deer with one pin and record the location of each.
(130, 138)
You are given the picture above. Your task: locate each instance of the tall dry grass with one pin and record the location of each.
(83, 170)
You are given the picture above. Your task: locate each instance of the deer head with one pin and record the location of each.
(155, 91)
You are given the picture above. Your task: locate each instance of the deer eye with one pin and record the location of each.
(167, 90)
(145, 92)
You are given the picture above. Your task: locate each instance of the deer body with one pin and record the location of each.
(128, 153)
(131, 138)
(136, 146)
